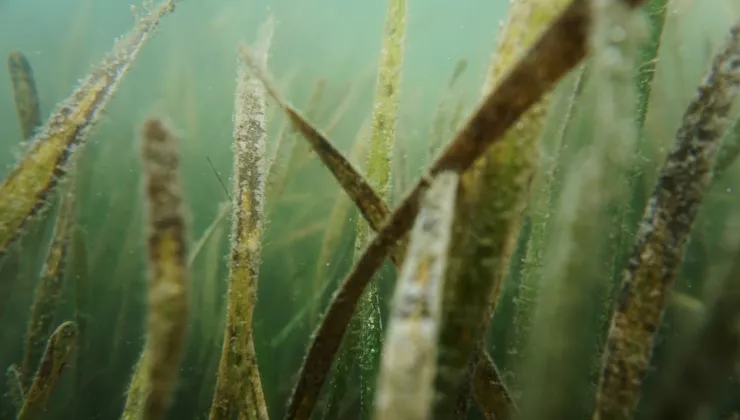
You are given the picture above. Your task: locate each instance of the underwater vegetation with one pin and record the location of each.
(563, 246)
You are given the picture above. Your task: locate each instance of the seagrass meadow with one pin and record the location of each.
(398, 209)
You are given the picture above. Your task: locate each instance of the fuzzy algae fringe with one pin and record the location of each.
(58, 350)
(493, 197)
(49, 289)
(701, 371)
(482, 199)
(28, 185)
(345, 359)
(370, 204)
(662, 237)
(555, 374)
(350, 180)
(337, 219)
(289, 154)
(406, 381)
(238, 387)
(539, 212)
(378, 172)
(558, 50)
(167, 314)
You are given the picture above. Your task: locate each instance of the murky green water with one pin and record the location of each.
(186, 74)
